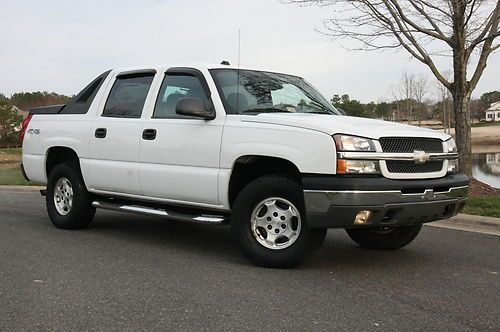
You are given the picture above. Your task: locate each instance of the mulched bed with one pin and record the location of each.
(480, 189)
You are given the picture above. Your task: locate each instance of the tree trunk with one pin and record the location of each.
(460, 90)
(463, 131)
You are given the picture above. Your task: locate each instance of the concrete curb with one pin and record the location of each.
(478, 220)
(470, 223)
(20, 188)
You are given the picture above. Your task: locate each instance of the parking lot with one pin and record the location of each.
(128, 272)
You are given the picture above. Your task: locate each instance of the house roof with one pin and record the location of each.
(494, 106)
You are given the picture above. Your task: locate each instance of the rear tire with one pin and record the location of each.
(384, 238)
(268, 222)
(68, 202)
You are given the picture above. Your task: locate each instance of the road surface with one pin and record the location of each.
(128, 272)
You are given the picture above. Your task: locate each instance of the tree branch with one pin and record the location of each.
(428, 32)
(486, 49)
(422, 56)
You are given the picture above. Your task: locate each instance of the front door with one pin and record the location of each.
(181, 163)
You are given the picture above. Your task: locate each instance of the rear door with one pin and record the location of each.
(181, 162)
(116, 134)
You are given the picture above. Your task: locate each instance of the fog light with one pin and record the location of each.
(362, 217)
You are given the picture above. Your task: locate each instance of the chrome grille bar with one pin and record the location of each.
(393, 156)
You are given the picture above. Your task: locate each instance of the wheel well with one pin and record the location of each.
(59, 154)
(248, 168)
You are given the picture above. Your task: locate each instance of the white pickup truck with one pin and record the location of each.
(261, 151)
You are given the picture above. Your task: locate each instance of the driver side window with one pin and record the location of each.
(173, 88)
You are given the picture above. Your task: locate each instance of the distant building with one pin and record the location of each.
(493, 162)
(493, 113)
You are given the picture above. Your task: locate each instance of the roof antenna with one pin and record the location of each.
(239, 47)
(225, 63)
(238, 75)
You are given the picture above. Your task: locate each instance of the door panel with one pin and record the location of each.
(182, 163)
(114, 163)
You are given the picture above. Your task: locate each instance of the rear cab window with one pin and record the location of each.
(128, 95)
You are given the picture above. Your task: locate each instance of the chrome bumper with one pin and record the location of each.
(319, 201)
(338, 208)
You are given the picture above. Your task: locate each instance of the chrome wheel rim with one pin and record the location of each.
(63, 196)
(276, 223)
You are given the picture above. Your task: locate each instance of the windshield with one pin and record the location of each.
(254, 92)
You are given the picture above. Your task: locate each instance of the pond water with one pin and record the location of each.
(486, 168)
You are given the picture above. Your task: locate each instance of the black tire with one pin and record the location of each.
(81, 211)
(318, 238)
(384, 238)
(250, 196)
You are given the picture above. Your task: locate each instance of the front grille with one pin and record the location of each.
(410, 144)
(404, 166)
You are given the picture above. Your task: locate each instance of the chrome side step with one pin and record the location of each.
(203, 218)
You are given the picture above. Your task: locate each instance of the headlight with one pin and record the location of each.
(357, 167)
(451, 146)
(353, 143)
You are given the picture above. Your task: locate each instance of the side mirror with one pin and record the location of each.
(195, 107)
(341, 111)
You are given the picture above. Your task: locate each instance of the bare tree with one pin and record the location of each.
(395, 92)
(407, 87)
(445, 96)
(419, 92)
(464, 30)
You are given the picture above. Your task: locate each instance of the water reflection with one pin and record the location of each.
(486, 168)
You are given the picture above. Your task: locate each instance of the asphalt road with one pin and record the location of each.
(128, 272)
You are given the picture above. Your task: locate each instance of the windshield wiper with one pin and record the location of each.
(265, 110)
(320, 108)
(320, 112)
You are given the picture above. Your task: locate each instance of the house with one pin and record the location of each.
(493, 113)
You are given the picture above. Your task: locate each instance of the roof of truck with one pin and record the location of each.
(199, 66)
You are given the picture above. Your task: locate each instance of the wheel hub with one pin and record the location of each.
(63, 196)
(276, 223)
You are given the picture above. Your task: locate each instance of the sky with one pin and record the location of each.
(60, 46)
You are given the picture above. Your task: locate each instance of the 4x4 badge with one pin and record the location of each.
(420, 157)
(34, 131)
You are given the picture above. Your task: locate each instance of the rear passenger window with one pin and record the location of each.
(127, 96)
(173, 88)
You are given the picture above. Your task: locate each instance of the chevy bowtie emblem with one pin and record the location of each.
(420, 157)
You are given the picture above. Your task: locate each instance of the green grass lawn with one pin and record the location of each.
(483, 206)
(10, 173)
(12, 151)
(13, 176)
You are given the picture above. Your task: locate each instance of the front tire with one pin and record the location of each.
(68, 202)
(384, 238)
(268, 222)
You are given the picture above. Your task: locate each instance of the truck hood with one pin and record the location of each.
(350, 125)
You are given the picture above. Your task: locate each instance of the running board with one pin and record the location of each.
(203, 218)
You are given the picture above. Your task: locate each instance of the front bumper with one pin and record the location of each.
(333, 202)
